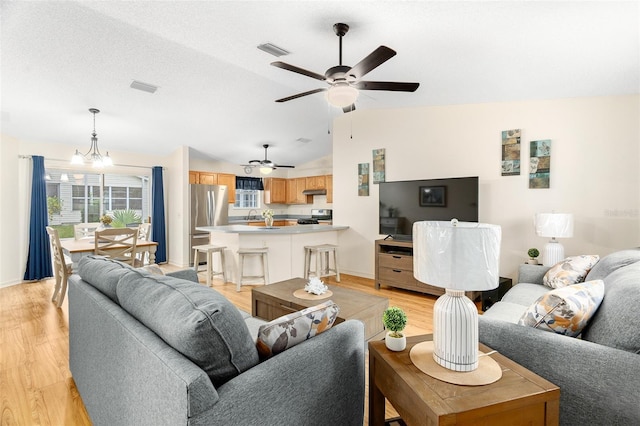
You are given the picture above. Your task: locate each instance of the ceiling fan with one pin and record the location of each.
(266, 166)
(345, 81)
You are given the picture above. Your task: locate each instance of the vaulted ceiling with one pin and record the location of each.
(217, 90)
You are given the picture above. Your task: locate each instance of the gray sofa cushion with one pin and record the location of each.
(617, 322)
(103, 274)
(525, 294)
(196, 320)
(612, 262)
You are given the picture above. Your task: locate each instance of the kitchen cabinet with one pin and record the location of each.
(211, 178)
(294, 188)
(275, 191)
(315, 182)
(329, 182)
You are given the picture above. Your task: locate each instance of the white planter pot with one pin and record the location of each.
(532, 261)
(395, 343)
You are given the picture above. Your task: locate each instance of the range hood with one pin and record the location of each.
(315, 192)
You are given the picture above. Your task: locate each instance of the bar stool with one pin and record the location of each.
(210, 249)
(322, 253)
(260, 251)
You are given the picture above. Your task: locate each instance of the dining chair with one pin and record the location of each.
(61, 267)
(85, 230)
(144, 234)
(117, 243)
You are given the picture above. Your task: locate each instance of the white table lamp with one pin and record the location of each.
(554, 225)
(459, 257)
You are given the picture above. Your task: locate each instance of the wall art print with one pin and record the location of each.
(378, 165)
(539, 163)
(511, 152)
(363, 179)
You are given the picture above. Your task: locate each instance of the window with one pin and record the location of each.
(247, 199)
(87, 196)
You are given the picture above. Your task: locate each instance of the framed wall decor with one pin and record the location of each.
(539, 164)
(433, 196)
(511, 152)
(378, 165)
(363, 179)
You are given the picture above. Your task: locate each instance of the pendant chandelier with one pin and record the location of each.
(93, 155)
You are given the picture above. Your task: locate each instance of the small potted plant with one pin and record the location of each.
(267, 214)
(105, 221)
(533, 253)
(395, 320)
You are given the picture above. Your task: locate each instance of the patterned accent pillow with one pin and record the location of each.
(572, 270)
(565, 310)
(289, 330)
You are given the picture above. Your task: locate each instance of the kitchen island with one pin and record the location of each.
(286, 247)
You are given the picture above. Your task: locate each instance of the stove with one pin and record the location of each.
(316, 216)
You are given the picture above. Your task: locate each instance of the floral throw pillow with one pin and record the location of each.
(565, 310)
(572, 270)
(289, 330)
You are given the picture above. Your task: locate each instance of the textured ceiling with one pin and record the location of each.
(217, 90)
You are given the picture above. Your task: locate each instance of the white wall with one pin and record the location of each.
(595, 167)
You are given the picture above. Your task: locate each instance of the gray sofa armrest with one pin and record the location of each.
(318, 382)
(531, 273)
(188, 274)
(598, 384)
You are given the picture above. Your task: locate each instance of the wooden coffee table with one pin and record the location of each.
(275, 300)
(519, 397)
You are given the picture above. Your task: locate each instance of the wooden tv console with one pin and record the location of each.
(394, 268)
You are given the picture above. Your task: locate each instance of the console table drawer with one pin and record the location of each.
(396, 261)
(397, 275)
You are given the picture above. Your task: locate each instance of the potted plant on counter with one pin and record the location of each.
(395, 320)
(533, 254)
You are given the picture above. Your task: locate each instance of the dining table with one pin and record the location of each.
(76, 249)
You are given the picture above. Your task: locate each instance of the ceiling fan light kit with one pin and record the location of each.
(342, 95)
(97, 159)
(344, 81)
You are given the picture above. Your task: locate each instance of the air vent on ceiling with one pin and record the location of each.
(145, 87)
(303, 140)
(273, 49)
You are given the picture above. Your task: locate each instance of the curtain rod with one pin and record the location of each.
(66, 161)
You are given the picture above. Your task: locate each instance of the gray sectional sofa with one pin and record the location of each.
(146, 349)
(599, 372)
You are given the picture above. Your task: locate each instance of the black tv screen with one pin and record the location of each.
(405, 202)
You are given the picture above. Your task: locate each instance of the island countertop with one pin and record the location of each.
(274, 230)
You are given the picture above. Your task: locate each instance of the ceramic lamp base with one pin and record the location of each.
(455, 332)
(553, 253)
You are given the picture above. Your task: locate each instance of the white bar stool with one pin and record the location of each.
(210, 249)
(260, 251)
(321, 252)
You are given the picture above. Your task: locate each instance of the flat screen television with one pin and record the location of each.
(404, 202)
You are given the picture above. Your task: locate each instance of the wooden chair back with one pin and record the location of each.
(85, 230)
(144, 232)
(117, 243)
(61, 267)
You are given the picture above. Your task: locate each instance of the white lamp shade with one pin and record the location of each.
(462, 257)
(342, 95)
(555, 225)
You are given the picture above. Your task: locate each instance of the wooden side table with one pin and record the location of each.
(519, 397)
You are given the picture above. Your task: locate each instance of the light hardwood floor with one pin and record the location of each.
(36, 387)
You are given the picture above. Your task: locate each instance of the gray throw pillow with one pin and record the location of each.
(612, 262)
(194, 319)
(103, 273)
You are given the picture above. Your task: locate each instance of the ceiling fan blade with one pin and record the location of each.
(286, 167)
(299, 95)
(298, 70)
(386, 85)
(376, 58)
(349, 108)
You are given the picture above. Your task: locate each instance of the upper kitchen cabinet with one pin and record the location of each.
(210, 178)
(315, 182)
(294, 191)
(329, 182)
(275, 191)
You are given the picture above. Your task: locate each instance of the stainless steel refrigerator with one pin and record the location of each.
(209, 206)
